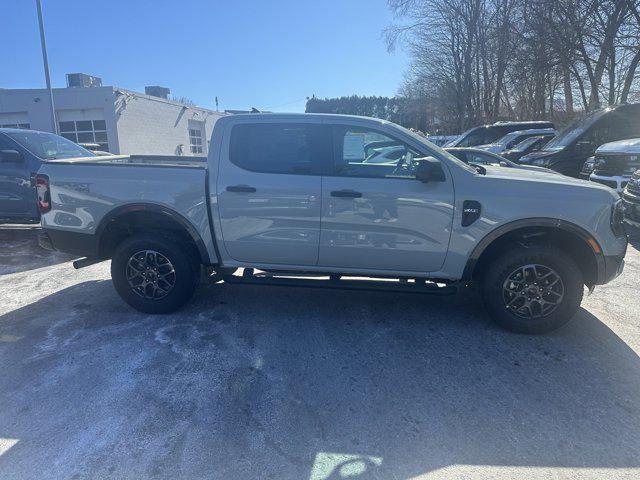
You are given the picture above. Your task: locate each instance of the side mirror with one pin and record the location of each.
(10, 156)
(429, 170)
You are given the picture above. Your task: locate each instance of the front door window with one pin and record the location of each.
(367, 153)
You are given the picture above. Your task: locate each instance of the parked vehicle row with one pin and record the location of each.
(528, 145)
(294, 196)
(571, 152)
(513, 139)
(571, 148)
(486, 134)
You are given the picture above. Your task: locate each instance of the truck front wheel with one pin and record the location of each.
(153, 273)
(533, 289)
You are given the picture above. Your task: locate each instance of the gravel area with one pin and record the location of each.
(255, 382)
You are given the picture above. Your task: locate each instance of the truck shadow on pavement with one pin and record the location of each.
(19, 250)
(268, 382)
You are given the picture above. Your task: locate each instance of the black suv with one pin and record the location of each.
(570, 149)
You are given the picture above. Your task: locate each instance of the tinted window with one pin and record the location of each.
(495, 133)
(474, 137)
(303, 149)
(84, 125)
(355, 158)
(573, 131)
(5, 144)
(459, 154)
(625, 124)
(67, 126)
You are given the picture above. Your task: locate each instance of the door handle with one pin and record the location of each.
(241, 188)
(346, 194)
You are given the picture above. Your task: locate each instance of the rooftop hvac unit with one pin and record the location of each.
(157, 91)
(82, 80)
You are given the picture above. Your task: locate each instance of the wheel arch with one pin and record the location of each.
(124, 218)
(571, 238)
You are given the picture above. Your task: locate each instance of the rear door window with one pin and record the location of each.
(286, 148)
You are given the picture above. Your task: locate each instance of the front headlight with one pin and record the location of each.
(588, 166)
(617, 218)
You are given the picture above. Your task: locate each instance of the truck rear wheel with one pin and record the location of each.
(533, 289)
(153, 273)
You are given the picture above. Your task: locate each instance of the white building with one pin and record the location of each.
(119, 120)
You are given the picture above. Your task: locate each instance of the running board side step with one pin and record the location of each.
(383, 285)
(85, 262)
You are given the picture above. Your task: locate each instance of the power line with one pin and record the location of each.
(288, 103)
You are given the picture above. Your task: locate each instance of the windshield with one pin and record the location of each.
(572, 132)
(385, 155)
(507, 138)
(453, 141)
(49, 146)
(434, 147)
(473, 136)
(526, 143)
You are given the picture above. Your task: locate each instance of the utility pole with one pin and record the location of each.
(45, 61)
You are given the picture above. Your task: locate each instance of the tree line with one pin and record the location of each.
(395, 109)
(479, 61)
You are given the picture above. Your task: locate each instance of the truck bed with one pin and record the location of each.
(137, 161)
(87, 193)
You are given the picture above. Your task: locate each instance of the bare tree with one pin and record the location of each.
(483, 60)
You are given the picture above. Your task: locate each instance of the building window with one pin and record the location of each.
(25, 126)
(86, 131)
(195, 139)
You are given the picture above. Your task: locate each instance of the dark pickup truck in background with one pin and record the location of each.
(570, 149)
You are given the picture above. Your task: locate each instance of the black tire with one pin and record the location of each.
(496, 292)
(184, 280)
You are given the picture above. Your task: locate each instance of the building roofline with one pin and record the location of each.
(163, 100)
(40, 91)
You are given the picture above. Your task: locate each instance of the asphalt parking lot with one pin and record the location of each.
(291, 383)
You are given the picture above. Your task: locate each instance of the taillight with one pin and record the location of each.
(44, 194)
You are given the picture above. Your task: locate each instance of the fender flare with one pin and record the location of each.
(155, 208)
(532, 222)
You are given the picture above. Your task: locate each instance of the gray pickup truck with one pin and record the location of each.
(293, 200)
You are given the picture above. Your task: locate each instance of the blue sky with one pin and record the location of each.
(270, 54)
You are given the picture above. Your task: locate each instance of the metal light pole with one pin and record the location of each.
(43, 44)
